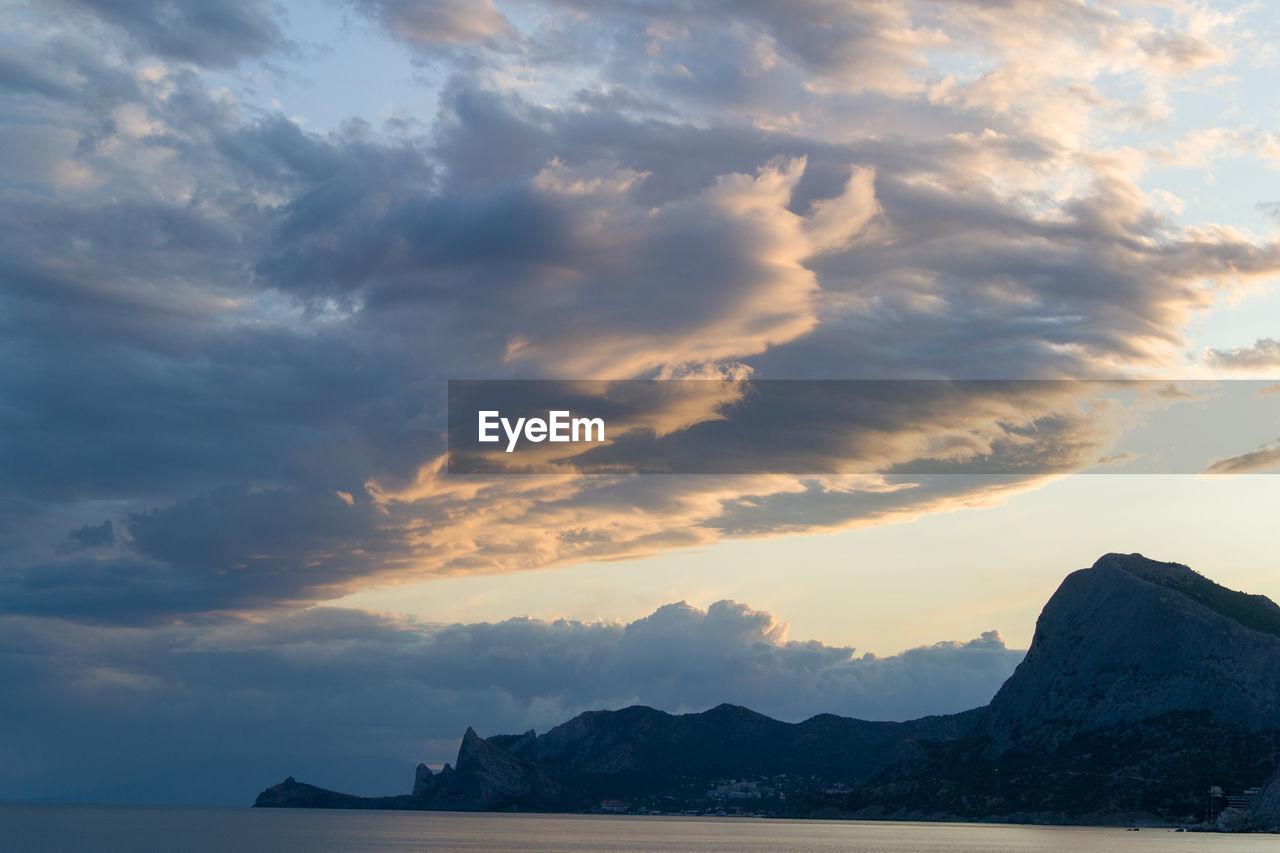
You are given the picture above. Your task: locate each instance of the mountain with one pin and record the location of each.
(1145, 684)
(1132, 638)
(639, 752)
(487, 778)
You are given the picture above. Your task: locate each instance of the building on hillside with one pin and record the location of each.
(1220, 800)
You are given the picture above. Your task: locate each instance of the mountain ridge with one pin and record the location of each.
(1145, 683)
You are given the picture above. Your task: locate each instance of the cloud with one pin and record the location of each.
(216, 323)
(91, 536)
(1264, 354)
(1067, 291)
(1262, 459)
(334, 687)
(214, 34)
(579, 236)
(438, 22)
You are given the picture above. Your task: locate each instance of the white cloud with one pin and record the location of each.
(1263, 355)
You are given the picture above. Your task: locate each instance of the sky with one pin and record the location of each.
(246, 245)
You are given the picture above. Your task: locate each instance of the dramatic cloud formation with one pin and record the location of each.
(321, 288)
(218, 323)
(243, 700)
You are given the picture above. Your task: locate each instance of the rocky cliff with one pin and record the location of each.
(1132, 638)
(294, 794)
(1266, 806)
(487, 778)
(1145, 684)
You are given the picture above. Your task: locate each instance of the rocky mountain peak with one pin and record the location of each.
(1131, 638)
(1139, 566)
(422, 781)
(1253, 611)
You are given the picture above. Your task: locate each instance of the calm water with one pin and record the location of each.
(117, 829)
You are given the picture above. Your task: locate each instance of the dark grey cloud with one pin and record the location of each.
(139, 357)
(354, 698)
(92, 536)
(129, 590)
(143, 368)
(20, 75)
(214, 34)
(230, 549)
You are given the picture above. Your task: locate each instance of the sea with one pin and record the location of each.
(134, 829)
